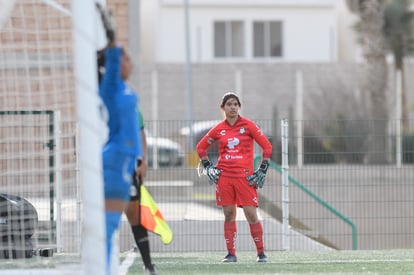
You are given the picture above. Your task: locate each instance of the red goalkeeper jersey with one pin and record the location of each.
(236, 146)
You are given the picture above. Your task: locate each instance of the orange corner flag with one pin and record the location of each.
(152, 219)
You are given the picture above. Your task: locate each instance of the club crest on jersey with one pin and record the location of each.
(242, 130)
(128, 91)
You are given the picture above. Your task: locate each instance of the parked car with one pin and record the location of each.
(166, 151)
(199, 129)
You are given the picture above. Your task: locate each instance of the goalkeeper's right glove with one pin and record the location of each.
(107, 23)
(212, 172)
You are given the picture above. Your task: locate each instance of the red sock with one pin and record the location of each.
(256, 230)
(230, 230)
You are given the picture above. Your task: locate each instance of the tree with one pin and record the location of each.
(371, 38)
(398, 31)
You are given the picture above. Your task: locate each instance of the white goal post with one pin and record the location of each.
(48, 68)
(93, 229)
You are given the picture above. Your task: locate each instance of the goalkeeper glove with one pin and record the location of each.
(212, 172)
(258, 177)
(107, 23)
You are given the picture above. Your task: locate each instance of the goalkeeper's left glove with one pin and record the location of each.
(212, 172)
(258, 177)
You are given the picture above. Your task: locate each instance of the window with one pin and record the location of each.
(267, 39)
(228, 39)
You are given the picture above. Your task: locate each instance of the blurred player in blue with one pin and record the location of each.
(124, 142)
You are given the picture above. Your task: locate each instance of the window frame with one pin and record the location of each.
(230, 37)
(267, 39)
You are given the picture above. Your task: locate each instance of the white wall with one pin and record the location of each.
(348, 47)
(149, 19)
(310, 31)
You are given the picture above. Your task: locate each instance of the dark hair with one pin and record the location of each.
(100, 59)
(227, 96)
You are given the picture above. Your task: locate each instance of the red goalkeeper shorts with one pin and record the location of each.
(236, 191)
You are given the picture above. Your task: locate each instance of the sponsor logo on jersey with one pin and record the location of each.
(232, 142)
(232, 157)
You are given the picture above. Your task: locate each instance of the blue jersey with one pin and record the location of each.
(121, 102)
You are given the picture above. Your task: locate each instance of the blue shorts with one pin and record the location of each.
(118, 168)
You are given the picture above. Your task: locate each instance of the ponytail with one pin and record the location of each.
(100, 58)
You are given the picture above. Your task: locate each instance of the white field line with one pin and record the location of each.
(326, 261)
(129, 260)
(348, 261)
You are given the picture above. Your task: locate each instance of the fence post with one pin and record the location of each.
(285, 184)
(155, 113)
(299, 116)
(398, 136)
(238, 83)
(58, 178)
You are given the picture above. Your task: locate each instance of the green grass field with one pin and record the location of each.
(280, 262)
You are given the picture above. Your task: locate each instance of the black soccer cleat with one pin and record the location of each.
(261, 258)
(230, 258)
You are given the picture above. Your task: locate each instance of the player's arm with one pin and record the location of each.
(143, 167)
(263, 142)
(142, 164)
(112, 76)
(204, 143)
(211, 171)
(108, 24)
(257, 179)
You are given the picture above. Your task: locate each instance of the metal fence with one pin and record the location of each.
(351, 187)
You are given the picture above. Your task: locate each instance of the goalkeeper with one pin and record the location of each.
(124, 143)
(236, 182)
(127, 139)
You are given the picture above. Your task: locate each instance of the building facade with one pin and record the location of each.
(246, 31)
